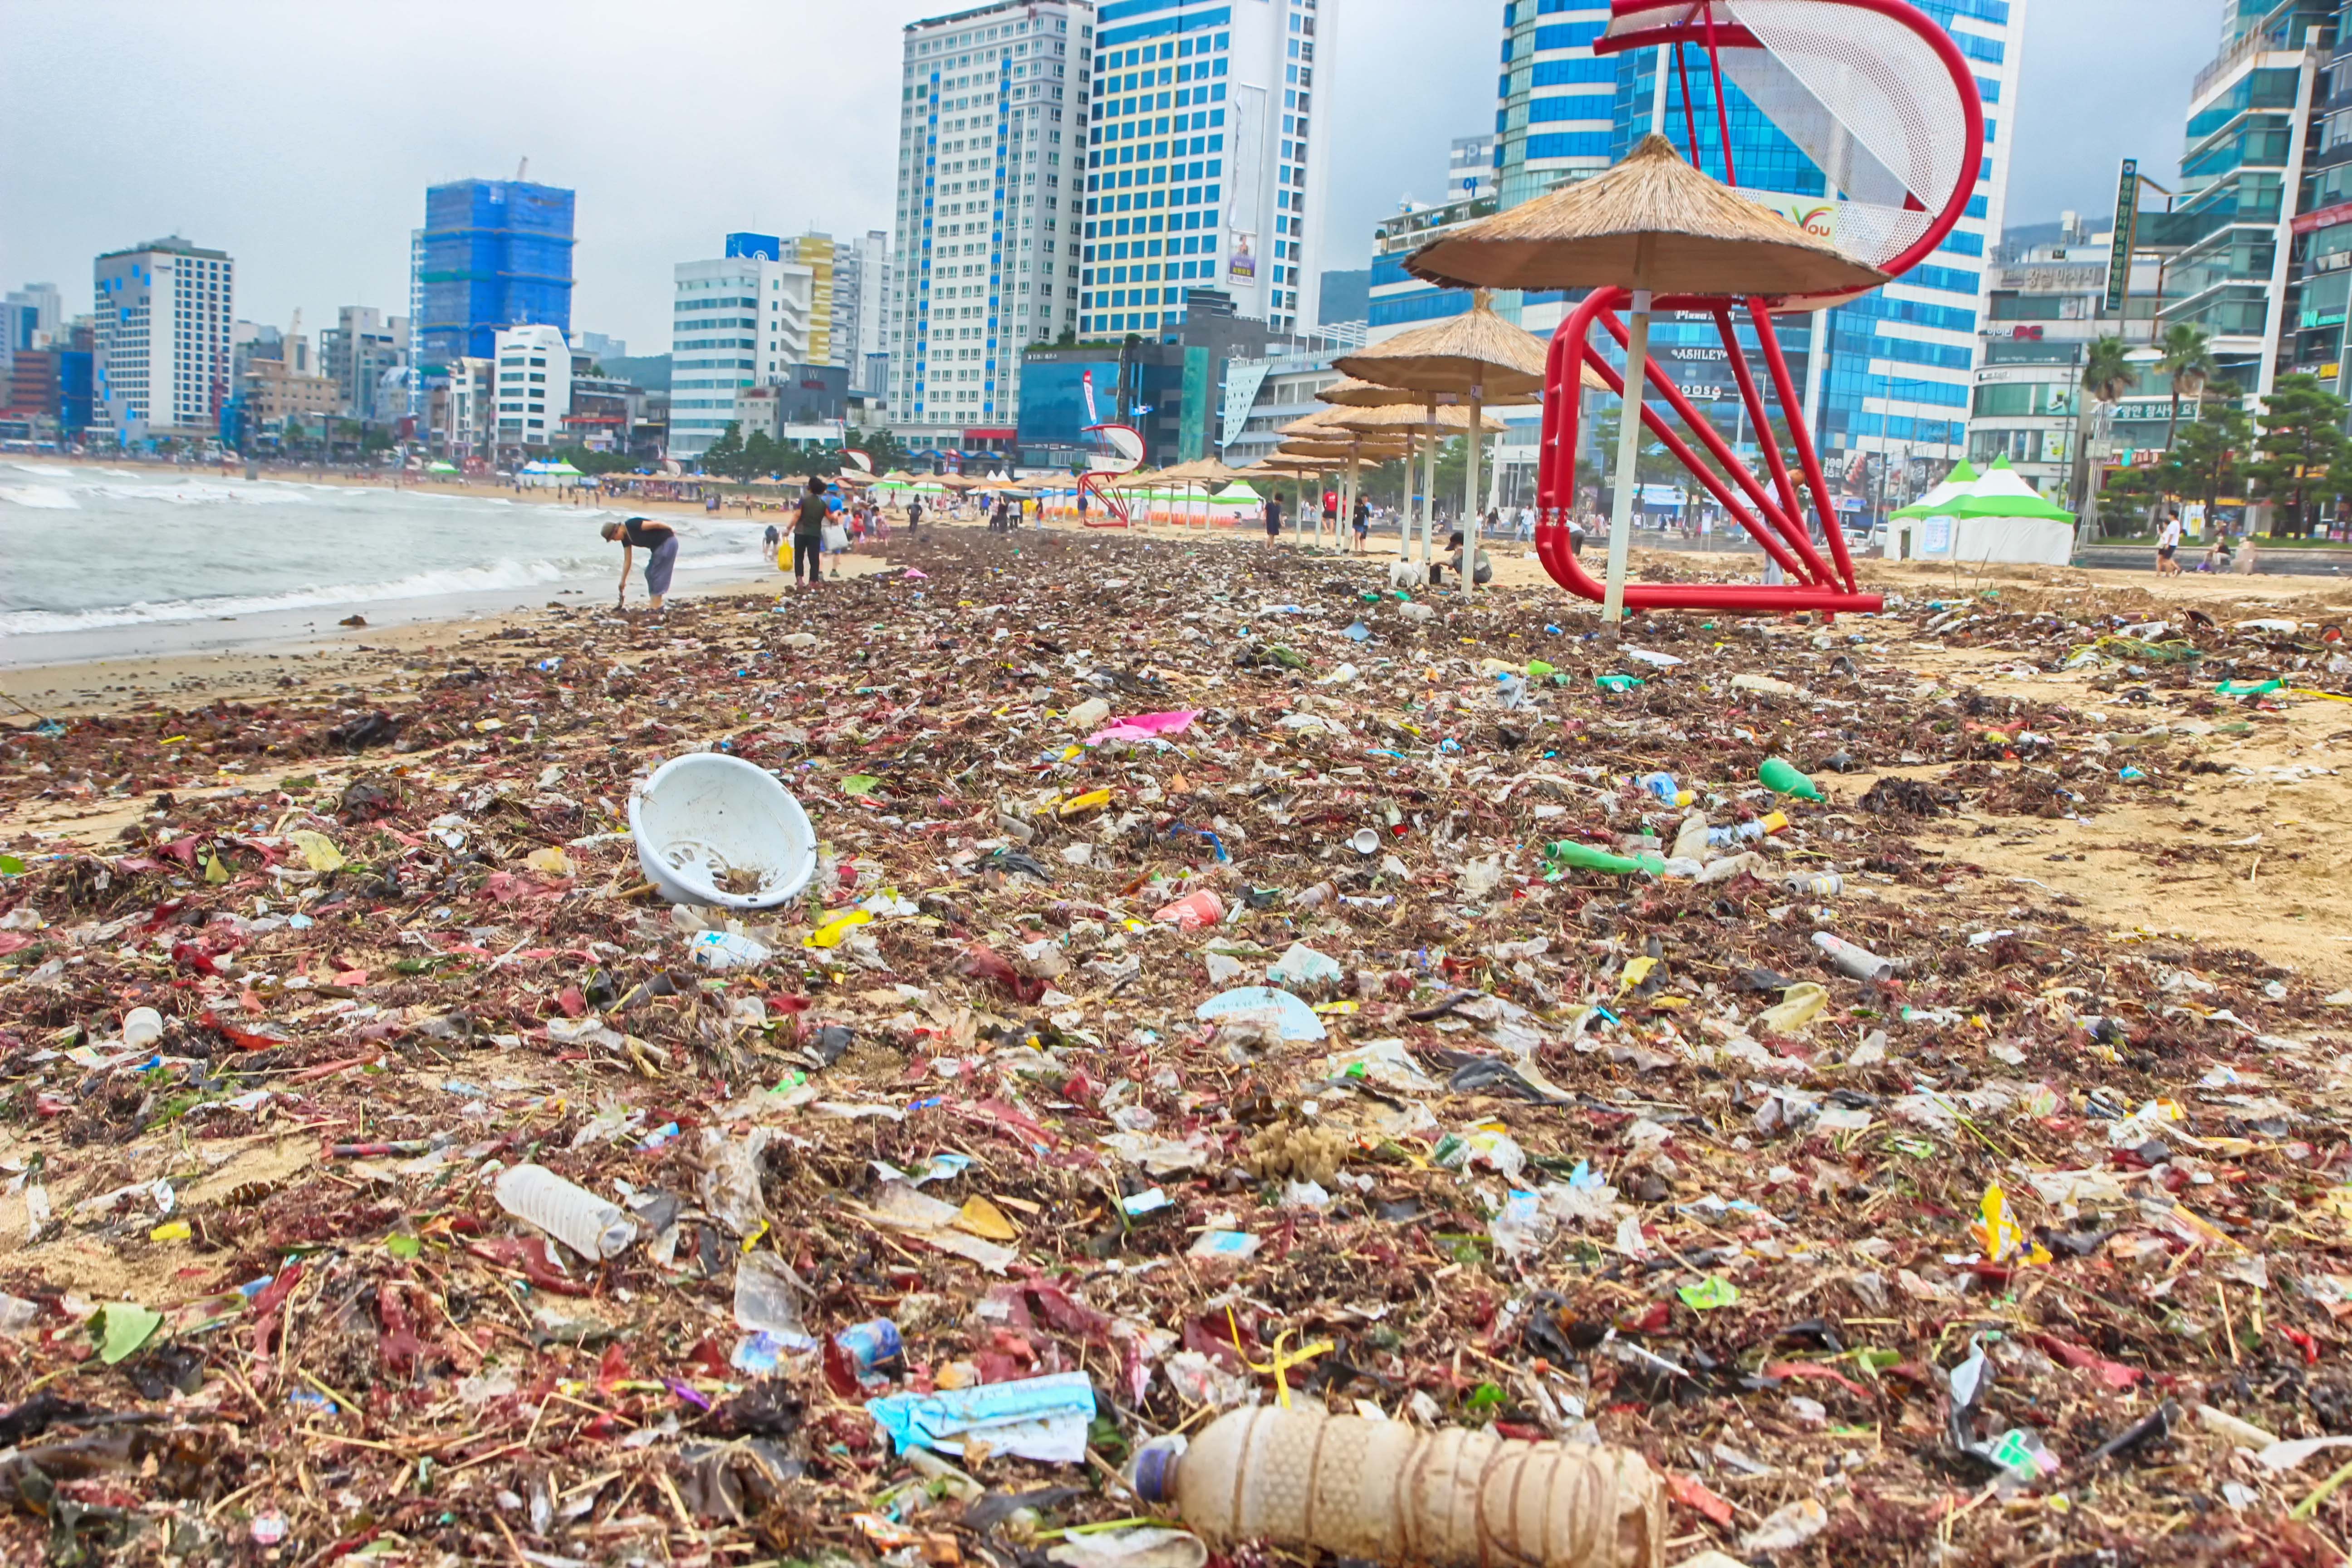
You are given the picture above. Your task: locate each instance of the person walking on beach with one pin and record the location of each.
(2167, 547)
(1363, 523)
(808, 533)
(659, 542)
(774, 542)
(914, 515)
(1273, 517)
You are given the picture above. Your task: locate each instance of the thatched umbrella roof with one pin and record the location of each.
(1652, 222)
(1209, 471)
(1474, 353)
(1404, 420)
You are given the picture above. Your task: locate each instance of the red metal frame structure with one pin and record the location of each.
(1774, 517)
(1093, 481)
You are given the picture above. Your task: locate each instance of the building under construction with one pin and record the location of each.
(492, 254)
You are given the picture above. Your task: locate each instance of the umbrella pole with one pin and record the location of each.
(1404, 507)
(1429, 489)
(1473, 519)
(1629, 449)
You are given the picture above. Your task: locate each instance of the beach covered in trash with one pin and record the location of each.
(1212, 980)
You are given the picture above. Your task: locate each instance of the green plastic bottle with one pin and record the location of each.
(1585, 857)
(1779, 775)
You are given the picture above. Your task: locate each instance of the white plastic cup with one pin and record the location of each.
(1365, 841)
(141, 1027)
(572, 1214)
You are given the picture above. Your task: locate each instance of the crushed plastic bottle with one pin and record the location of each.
(1746, 832)
(727, 950)
(1663, 788)
(1387, 1491)
(1814, 884)
(572, 1214)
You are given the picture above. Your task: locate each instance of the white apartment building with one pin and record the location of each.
(534, 385)
(469, 407)
(737, 322)
(1204, 166)
(991, 155)
(161, 360)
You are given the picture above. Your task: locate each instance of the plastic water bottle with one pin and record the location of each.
(1854, 962)
(1386, 1491)
(727, 950)
(572, 1214)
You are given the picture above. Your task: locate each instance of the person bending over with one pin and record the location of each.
(659, 542)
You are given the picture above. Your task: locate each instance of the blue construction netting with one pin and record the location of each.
(497, 253)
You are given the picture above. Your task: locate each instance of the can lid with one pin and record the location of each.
(1155, 1474)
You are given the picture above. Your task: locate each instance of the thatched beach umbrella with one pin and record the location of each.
(1651, 225)
(1478, 356)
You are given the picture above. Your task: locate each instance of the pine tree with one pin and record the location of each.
(721, 456)
(2300, 455)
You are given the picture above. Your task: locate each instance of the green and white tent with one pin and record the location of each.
(1994, 516)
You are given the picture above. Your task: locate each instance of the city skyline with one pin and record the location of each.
(311, 180)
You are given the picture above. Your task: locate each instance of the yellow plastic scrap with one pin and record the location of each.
(1799, 1006)
(318, 852)
(551, 859)
(836, 926)
(1079, 804)
(1999, 1236)
(1636, 971)
(983, 1219)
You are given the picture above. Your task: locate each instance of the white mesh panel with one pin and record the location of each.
(1877, 234)
(1882, 85)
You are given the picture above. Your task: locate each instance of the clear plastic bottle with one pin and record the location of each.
(1389, 1492)
(572, 1214)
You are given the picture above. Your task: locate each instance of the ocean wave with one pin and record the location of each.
(499, 575)
(41, 498)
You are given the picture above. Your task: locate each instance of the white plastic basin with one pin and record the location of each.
(704, 815)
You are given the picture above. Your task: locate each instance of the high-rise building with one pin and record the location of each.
(492, 254)
(861, 284)
(357, 352)
(1470, 168)
(991, 142)
(164, 309)
(2251, 255)
(1203, 169)
(818, 253)
(738, 320)
(36, 316)
(1556, 103)
(534, 385)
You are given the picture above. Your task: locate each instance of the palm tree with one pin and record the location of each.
(2188, 361)
(2107, 374)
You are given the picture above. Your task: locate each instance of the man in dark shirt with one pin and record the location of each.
(659, 542)
(1273, 517)
(808, 533)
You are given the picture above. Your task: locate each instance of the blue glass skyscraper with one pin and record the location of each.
(497, 253)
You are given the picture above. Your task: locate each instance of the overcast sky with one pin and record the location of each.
(300, 137)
